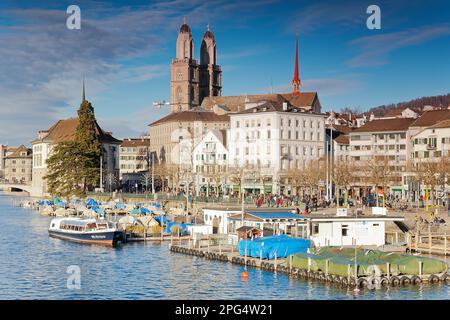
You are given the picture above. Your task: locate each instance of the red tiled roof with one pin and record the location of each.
(237, 103)
(342, 139)
(17, 152)
(65, 130)
(429, 118)
(135, 143)
(396, 124)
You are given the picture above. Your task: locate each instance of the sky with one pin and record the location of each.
(124, 48)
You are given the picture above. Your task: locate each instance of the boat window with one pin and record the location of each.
(53, 225)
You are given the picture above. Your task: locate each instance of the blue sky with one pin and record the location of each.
(125, 49)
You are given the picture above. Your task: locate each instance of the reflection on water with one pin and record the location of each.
(34, 267)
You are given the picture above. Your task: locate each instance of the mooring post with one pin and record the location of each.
(388, 269)
(348, 272)
(326, 267)
(445, 244)
(260, 257)
(290, 263)
(309, 264)
(429, 239)
(420, 269)
(208, 243)
(275, 261)
(220, 246)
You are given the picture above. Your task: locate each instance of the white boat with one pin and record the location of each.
(89, 231)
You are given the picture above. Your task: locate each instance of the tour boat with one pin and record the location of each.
(90, 231)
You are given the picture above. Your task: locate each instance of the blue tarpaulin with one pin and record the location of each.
(163, 218)
(183, 226)
(120, 206)
(91, 202)
(267, 246)
(144, 210)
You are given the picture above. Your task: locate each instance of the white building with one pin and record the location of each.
(349, 230)
(386, 140)
(217, 218)
(134, 160)
(273, 138)
(210, 159)
(431, 143)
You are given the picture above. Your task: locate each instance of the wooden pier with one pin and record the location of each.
(228, 253)
(430, 243)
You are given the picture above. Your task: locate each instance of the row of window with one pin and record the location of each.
(132, 167)
(283, 122)
(380, 147)
(209, 157)
(389, 136)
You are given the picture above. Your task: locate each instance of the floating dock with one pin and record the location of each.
(230, 254)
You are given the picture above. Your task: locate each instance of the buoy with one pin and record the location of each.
(244, 275)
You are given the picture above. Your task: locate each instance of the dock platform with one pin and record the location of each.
(229, 254)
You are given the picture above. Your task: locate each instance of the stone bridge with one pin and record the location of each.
(32, 191)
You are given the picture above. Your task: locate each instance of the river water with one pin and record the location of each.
(35, 266)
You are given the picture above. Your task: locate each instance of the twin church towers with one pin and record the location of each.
(190, 81)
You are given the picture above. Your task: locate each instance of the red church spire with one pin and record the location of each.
(296, 79)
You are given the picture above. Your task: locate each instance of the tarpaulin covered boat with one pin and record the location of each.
(267, 247)
(341, 262)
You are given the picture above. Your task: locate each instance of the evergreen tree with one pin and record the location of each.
(63, 179)
(87, 136)
(75, 165)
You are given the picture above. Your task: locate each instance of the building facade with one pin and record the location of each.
(210, 160)
(271, 139)
(381, 143)
(134, 160)
(168, 133)
(18, 165)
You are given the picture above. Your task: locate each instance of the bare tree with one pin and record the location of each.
(343, 177)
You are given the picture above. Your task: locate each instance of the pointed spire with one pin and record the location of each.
(208, 27)
(84, 91)
(184, 20)
(296, 79)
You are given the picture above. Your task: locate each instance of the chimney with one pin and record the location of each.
(285, 106)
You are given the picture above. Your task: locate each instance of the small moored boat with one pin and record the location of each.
(90, 231)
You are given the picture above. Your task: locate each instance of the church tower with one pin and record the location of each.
(296, 80)
(184, 84)
(210, 72)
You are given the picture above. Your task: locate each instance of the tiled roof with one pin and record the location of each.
(65, 130)
(342, 139)
(237, 103)
(396, 124)
(17, 152)
(343, 129)
(429, 118)
(135, 143)
(441, 124)
(274, 106)
(188, 116)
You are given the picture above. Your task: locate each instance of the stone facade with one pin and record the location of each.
(18, 166)
(190, 82)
